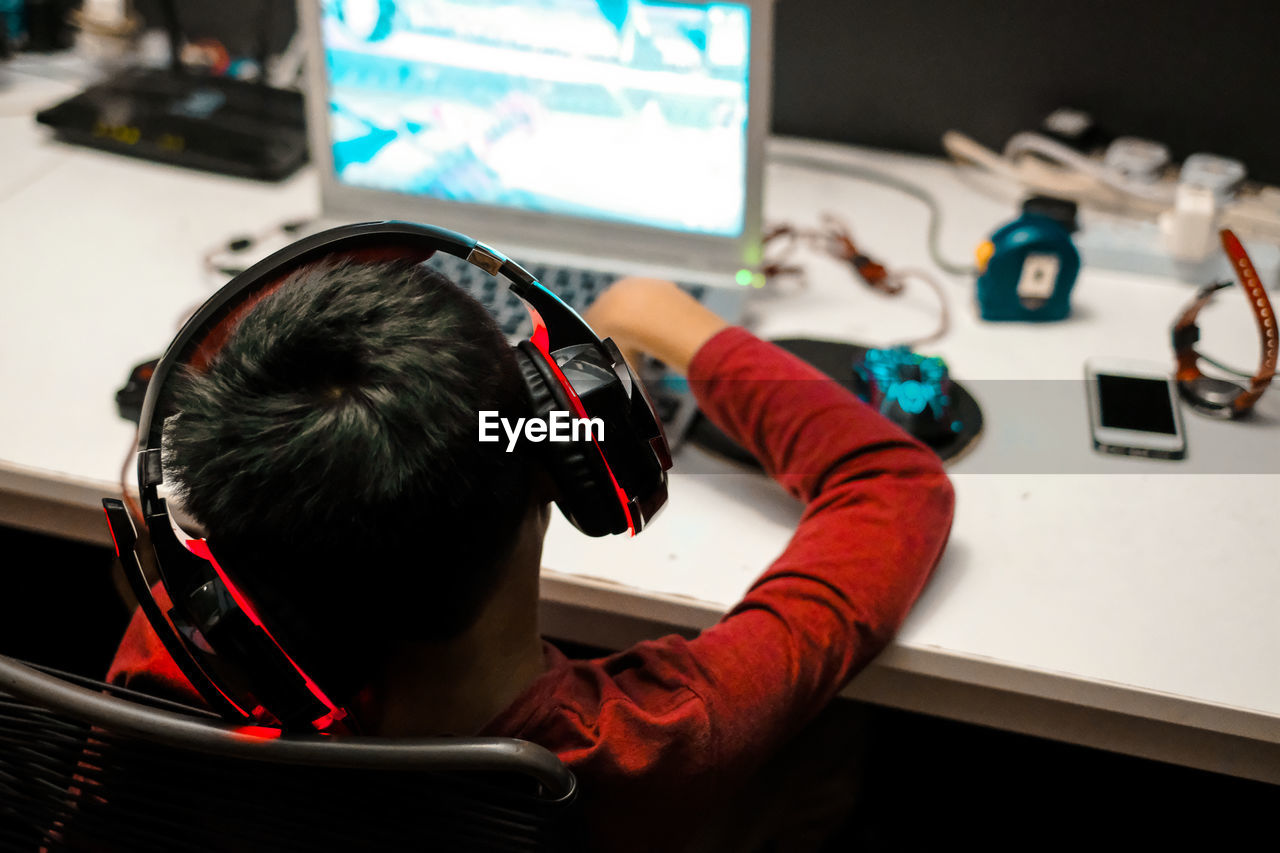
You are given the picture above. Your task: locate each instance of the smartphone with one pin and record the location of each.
(1133, 409)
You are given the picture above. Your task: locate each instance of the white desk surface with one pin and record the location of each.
(1120, 603)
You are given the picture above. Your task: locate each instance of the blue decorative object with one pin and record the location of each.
(1027, 270)
(909, 389)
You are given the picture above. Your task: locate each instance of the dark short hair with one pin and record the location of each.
(330, 449)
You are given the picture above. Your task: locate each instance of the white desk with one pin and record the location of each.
(1118, 603)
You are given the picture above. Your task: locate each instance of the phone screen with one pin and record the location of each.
(1135, 403)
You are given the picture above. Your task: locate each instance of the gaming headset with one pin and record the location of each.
(254, 666)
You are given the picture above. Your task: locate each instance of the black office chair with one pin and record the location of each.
(87, 766)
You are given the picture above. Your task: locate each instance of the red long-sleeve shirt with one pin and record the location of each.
(657, 733)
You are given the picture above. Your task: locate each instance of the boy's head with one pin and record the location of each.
(314, 439)
(329, 450)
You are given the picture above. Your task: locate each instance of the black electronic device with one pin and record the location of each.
(948, 427)
(217, 124)
(1076, 128)
(47, 25)
(1064, 211)
(1133, 409)
(130, 396)
(253, 663)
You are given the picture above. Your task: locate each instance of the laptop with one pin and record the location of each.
(585, 139)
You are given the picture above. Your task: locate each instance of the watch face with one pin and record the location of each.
(1214, 396)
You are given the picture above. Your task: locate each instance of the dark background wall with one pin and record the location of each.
(245, 27)
(1197, 76)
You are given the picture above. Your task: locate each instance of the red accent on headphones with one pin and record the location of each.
(539, 339)
(200, 548)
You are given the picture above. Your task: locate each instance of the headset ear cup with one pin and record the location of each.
(586, 494)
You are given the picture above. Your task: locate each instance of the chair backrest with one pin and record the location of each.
(87, 766)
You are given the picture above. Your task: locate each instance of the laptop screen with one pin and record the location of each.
(627, 111)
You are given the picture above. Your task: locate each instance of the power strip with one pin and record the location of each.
(1134, 245)
(1121, 230)
(1253, 210)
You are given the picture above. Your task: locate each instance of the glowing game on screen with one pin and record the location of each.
(620, 110)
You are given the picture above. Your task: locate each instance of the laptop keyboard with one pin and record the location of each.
(672, 402)
(577, 287)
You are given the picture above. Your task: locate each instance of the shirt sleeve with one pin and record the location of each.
(142, 663)
(878, 511)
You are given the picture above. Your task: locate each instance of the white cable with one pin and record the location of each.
(902, 276)
(285, 70)
(1022, 143)
(1038, 176)
(876, 176)
(1247, 215)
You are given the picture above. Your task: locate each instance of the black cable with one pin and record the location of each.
(169, 13)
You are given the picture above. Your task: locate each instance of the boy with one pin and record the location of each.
(331, 445)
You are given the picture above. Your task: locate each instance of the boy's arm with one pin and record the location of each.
(878, 511)
(649, 315)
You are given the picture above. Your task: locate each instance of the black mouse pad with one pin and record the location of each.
(836, 359)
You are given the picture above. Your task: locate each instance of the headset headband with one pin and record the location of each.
(562, 323)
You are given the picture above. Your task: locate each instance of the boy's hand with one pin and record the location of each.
(655, 317)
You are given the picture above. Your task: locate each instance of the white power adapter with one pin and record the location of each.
(1188, 229)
